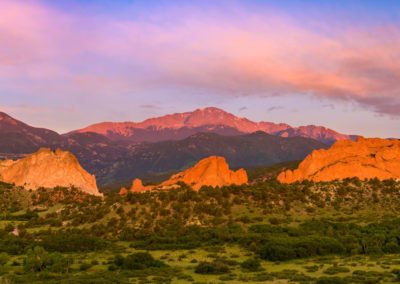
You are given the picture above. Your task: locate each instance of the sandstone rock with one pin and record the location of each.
(366, 158)
(212, 171)
(137, 186)
(47, 168)
(123, 191)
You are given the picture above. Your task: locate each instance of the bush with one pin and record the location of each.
(84, 266)
(251, 264)
(214, 267)
(137, 261)
(336, 269)
(277, 252)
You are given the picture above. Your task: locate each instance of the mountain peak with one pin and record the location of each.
(210, 110)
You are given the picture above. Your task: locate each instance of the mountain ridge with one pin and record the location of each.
(209, 119)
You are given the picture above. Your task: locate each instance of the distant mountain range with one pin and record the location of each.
(181, 125)
(123, 151)
(253, 149)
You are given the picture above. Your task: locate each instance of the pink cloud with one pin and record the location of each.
(261, 54)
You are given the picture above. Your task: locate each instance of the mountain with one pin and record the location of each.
(18, 137)
(181, 125)
(253, 149)
(47, 168)
(366, 158)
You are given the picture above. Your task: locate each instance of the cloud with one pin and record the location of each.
(274, 108)
(331, 106)
(148, 106)
(240, 51)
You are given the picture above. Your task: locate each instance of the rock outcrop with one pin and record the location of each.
(47, 168)
(212, 171)
(366, 158)
(123, 191)
(137, 186)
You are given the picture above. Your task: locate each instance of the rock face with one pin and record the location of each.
(366, 158)
(47, 168)
(212, 171)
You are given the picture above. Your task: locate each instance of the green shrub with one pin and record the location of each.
(214, 267)
(137, 261)
(251, 264)
(84, 266)
(336, 269)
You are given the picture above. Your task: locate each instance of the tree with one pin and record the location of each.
(38, 259)
(35, 259)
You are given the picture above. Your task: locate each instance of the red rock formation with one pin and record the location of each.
(123, 191)
(366, 158)
(47, 168)
(137, 186)
(212, 171)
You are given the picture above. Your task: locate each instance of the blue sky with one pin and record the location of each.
(67, 64)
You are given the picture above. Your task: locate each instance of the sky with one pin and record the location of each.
(67, 64)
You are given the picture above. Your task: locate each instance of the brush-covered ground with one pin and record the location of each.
(337, 232)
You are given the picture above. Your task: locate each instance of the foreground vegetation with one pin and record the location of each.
(337, 232)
